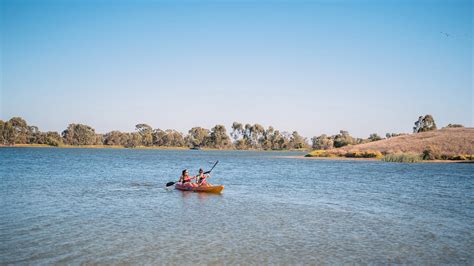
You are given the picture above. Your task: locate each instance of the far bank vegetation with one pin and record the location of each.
(16, 131)
(454, 142)
(427, 143)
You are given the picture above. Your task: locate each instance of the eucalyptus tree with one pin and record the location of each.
(33, 134)
(173, 138)
(424, 123)
(266, 139)
(134, 139)
(237, 131)
(279, 140)
(198, 137)
(297, 141)
(256, 132)
(374, 137)
(79, 134)
(114, 138)
(219, 138)
(52, 138)
(146, 134)
(2, 126)
(20, 130)
(158, 137)
(343, 139)
(322, 142)
(8, 133)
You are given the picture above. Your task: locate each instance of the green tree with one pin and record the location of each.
(256, 133)
(237, 130)
(241, 135)
(424, 123)
(454, 125)
(322, 142)
(8, 134)
(219, 138)
(20, 128)
(2, 126)
(247, 134)
(297, 141)
(374, 137)
(266, 140)
(78, 134)
(198, 137)
(343, 139)
(134, 139)
(99, 139)
(173, 138)
(280, 141)
(33, 135)
(158, 137)
(146, 133)
(113, 138)
(52, 138)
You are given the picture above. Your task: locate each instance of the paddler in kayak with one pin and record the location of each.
(185, 179)
(201, 178)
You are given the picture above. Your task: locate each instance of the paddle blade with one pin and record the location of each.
(169, 184)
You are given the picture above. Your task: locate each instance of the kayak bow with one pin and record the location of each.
(206, 189)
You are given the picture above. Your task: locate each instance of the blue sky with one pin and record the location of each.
(311, 66)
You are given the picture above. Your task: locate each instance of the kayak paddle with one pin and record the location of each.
(169, 184)
(207, 172)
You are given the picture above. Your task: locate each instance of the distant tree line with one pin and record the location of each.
(242, 137)
(17, 131)
(325, 142)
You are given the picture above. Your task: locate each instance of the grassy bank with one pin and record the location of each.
(402, 158)
(449, 144)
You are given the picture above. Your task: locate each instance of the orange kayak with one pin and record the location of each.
(206, 189)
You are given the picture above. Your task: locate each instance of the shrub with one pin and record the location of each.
(431, 153)
(402, 158)
(458, 157)
(455, 157)
(363, 154)
(454, 125)
(319, 153)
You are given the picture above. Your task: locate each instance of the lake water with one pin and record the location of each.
(110, 206)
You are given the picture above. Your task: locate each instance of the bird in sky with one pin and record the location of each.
(445, 33)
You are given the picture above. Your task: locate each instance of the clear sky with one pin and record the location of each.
(311, 66)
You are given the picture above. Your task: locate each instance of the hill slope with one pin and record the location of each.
(446, 141)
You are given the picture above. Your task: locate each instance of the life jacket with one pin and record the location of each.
(186, 179)
(202, 179)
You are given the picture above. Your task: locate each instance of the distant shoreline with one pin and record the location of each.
(132, 148)
(91, 147)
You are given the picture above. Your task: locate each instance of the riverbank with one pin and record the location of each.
(444, 145)
(136, 148)
(367, 159)
(91, 147)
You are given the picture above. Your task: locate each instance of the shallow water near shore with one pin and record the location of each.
(110, 206)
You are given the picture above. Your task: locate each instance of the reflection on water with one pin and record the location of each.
(111, 206)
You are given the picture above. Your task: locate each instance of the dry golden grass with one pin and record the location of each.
(450, 141)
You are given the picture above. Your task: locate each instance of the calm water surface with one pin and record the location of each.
(110, 206)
